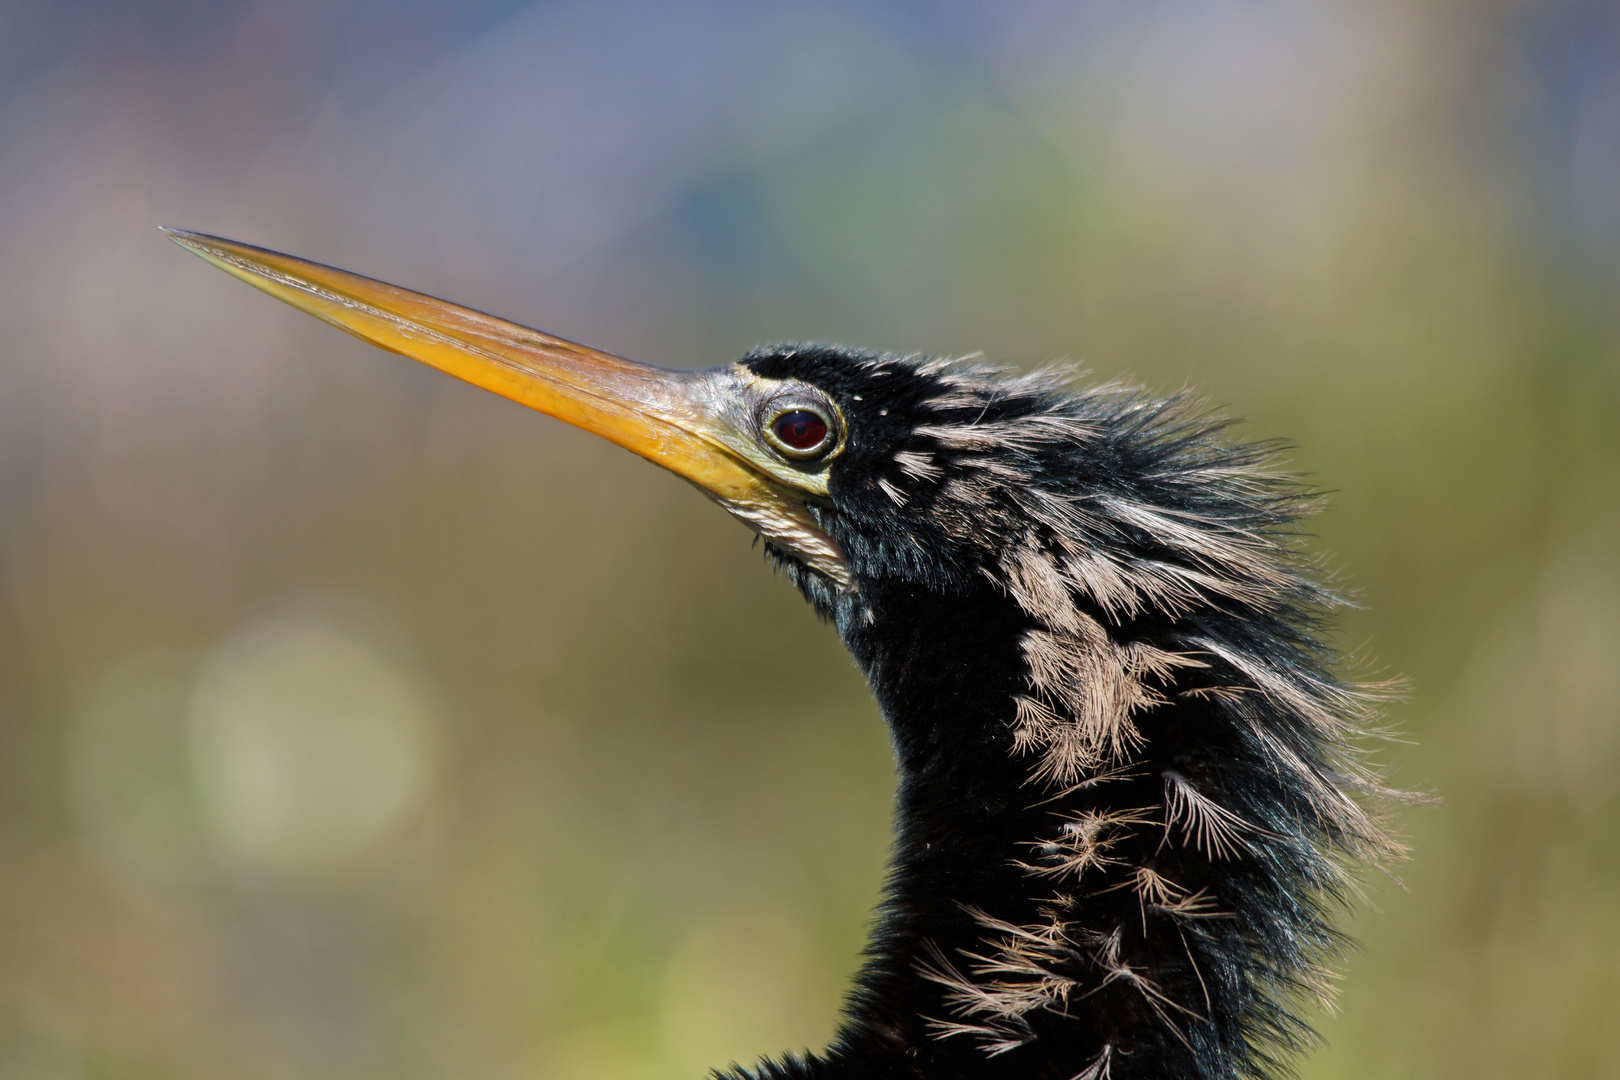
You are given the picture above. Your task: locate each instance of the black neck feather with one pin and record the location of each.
(1128, 790)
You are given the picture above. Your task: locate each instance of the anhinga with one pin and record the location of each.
(1128, 798)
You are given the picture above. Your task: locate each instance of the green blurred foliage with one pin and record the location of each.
(568, 784)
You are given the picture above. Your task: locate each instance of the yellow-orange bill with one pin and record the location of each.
(664, 415)
(638, 406)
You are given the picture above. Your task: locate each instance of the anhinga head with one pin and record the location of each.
(1128, 796)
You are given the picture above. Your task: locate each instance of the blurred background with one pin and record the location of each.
(356, 723)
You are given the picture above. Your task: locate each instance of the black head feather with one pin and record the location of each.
(1129, 798)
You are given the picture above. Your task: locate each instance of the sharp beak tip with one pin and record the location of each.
(195, 242)
(187, 240)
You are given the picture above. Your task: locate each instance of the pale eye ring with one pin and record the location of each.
(799, 431)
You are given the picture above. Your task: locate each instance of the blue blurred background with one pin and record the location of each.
(356, 723)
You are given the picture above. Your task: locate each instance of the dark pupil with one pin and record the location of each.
(801, 429)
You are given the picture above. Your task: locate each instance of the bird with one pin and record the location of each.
(1133, 788)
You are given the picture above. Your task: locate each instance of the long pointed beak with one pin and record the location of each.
(667, 416)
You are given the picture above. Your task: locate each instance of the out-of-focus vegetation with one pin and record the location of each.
(355, 723)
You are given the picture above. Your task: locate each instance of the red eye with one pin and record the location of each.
(800, 429)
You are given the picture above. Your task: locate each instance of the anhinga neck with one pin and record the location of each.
(947, 670)
(1112, 844)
